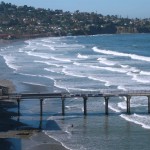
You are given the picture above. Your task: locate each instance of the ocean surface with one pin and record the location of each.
(84, 63)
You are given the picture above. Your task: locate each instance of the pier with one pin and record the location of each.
(106, 94)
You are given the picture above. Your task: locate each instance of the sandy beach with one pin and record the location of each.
(15, 135)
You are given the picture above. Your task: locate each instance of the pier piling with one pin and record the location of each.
(85, 105)
(63, 106)
(106, 105)
(18, 102)
(149, 104)
(128, 104)
(41, 107)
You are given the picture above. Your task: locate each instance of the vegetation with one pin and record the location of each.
(24, 21)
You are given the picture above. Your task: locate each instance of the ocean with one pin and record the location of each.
(84, 63)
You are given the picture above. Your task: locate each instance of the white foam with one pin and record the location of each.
(106, 62)
(48, 63)
(71, 107)
(77, 64)
(56, 84)
(32, 83)
(10, 62)
(57, 140)
(82, 56)
(132, 56)
(121, 87)
(107, 83)
(113, 69)
(49, 46)
(124, 66)
(140, 120)
(122, 105)
(140, 79)
(20, 50)
(81, 89)
(61, 59)
(32, 75)
(64, 70)
(41, 55)
(114, 109)
(51, 70)
(145, 73)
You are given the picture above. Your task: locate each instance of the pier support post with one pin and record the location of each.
(85, 105)
(148, 104)
(106, 105)
(18, 102)
(41, 107)
(128, 104)
(63, 106)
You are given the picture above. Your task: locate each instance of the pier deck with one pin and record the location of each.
(106, 94)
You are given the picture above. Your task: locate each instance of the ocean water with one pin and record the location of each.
(84, 63)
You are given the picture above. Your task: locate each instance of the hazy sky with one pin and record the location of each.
(130, 8)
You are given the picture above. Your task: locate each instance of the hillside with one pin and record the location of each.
(25, 21)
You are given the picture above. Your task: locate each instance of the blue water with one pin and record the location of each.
(85, 63)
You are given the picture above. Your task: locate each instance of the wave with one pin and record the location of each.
(32, 83)
(56, 84)
(114, 109)
(145, 73)
(48, 77)
(72, 107)
(10, 62)
(122, 105)
(54, 71)
(82, 56)
(106, 62)
(82, 89)
(77, 64)
(40, 55)
(137, 119)
(64, 70)
(31, 75)
(56, 139)
(113, 69)
(107, 83)
(49, 46)
(125, 69)
(61, 59)
(125, 66)
(48, 63)
(130, 71)
(132, 56)
(139, 79)
(121, 87)
(48, 40)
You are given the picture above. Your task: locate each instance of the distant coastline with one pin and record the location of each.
(32, 22)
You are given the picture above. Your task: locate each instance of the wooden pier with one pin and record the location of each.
(106, 94)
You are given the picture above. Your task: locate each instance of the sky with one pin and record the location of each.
(124, 8)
